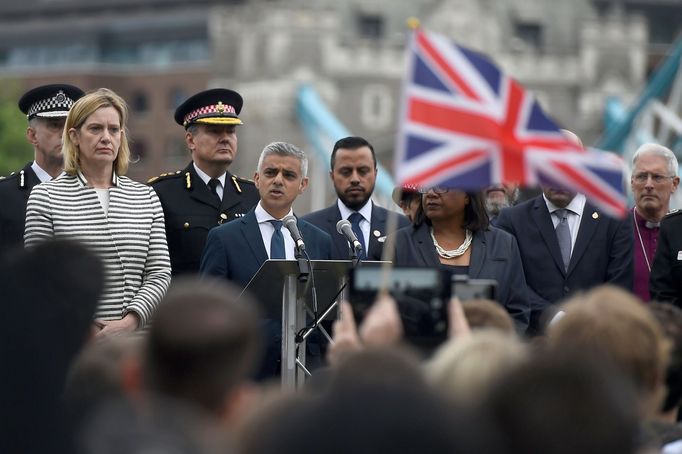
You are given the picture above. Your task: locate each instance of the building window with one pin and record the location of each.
(138, 149)
(529, 34)
(139, 103)
(177, 154)
(376, 107)
(370, 26)
(176, 97)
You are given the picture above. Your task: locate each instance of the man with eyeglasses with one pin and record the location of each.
(567, 245)
(657, 242)
(654, 179)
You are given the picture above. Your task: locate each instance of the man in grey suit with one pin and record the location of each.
(353, 173)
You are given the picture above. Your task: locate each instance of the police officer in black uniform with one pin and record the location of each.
(665, 281)
(204, 194)
(46, 108)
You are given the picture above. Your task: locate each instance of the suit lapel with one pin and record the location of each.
(339, 243)
(426, 249)
(251, 231)
(588, 225)
(199, 190)
(308, 239)
(30, 180)
(378, 224)
(478, 253)
(543, 221)
(230, 195)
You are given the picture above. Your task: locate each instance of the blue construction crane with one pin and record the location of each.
(323, 129)
(619, 121)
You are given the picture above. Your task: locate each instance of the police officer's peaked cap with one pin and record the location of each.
(217, 106)
(49, 101)
(399, 191)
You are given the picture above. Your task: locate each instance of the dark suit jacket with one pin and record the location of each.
(494, 255)
(327, 218)
(602, 253)
(13, 198)
(665, 281)
(190, 211)
(235, 250)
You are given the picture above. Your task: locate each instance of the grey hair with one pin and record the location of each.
(284, 149)
(658, 150)
(192, 128)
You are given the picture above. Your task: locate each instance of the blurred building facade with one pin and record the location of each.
(155, 53)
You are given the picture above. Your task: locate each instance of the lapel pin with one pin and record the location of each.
(595, 215)
(381, 239)
(377, 233)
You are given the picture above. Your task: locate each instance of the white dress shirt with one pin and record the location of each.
(573, 215)
(267, 230)
(205, 178)
(40, 173)
(366, 212)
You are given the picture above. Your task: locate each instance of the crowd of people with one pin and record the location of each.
(127, 328)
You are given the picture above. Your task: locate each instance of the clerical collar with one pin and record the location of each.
(641, 220)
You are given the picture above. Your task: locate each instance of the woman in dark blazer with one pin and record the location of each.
(451, 231)
(115, 217)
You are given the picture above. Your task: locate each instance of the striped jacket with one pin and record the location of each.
(130, 239)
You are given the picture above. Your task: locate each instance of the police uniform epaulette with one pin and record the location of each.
(238, 181)
(164, 176)
(10, 177)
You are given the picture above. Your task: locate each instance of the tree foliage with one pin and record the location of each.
(15, 151)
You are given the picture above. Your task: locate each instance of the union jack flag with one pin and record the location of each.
(466, 124)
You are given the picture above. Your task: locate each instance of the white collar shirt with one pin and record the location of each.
(267, 230)
(206, 178)
(573, 217)
(365, 211)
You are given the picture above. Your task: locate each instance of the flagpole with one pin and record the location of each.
(388, 253)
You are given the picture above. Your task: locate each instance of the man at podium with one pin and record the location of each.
(237, 249)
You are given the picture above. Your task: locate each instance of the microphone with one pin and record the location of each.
(345, 229)
(290, 223)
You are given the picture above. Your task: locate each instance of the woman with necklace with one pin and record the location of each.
(451, 231)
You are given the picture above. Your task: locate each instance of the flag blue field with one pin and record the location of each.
(465, 124)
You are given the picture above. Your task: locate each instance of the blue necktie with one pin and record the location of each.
(355, 219)
(277, 241)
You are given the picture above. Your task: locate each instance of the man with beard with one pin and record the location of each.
(498, 197)
(353, 173)
(46, 108)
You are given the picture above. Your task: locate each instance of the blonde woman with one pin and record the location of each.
(117, 218)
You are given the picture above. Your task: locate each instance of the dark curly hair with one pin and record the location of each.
(475, 216)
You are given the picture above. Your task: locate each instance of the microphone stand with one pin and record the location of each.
(303, 264)
(305, 332)
(354, 257)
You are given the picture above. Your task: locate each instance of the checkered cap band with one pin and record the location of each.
(216, 110)
(56, 106)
